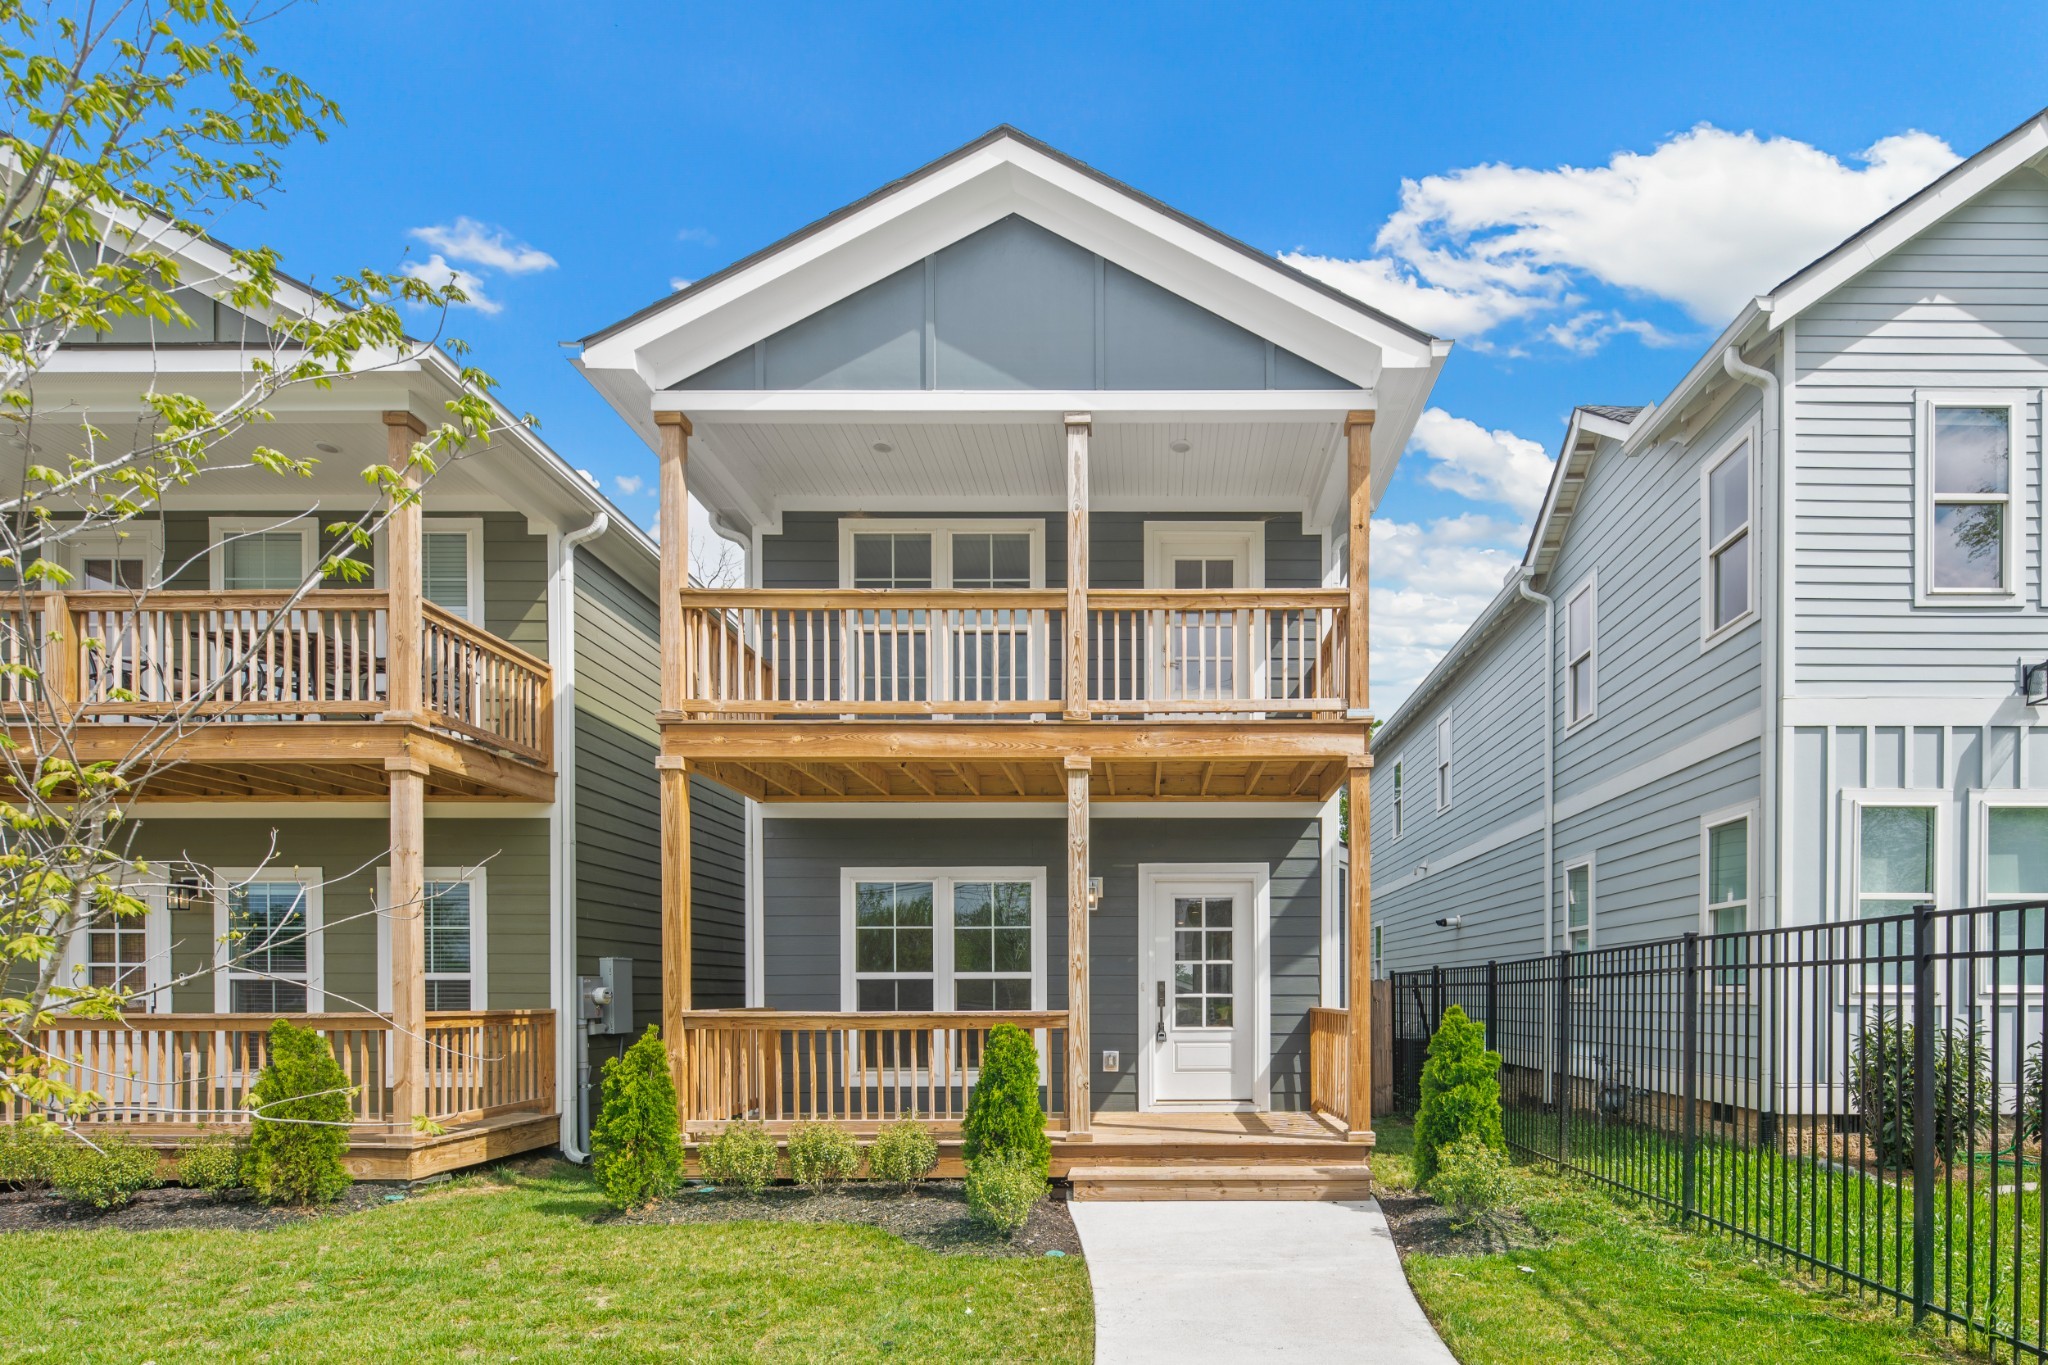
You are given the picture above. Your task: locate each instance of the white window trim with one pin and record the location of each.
(1978, 891)
(225, 880)
(1165, 540)
(2016, 403)
(1710, 634)
(1592, 903)
(473, 528)
(1589, 587)
(943, 879)
(221, 529)
(479, 933)
(1443, 771)
(1854, 800)
(132, 539)
(941, 530)
(156, 948)
(1710, 822)
(1400, 800)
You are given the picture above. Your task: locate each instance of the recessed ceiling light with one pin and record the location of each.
(1179, 447)
(328, 448)
(881, 447)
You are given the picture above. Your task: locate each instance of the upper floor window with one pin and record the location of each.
(1443, 763)
(452, 566)
(1967, 527)
(1399, 814)
(261, 554)
(912, 555)
(1578, 655)
(1729, 490)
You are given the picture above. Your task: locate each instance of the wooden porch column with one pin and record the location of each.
(1358, 700)
(1079, 424)
(675, 432)
(1079, 1089)
(403, 574)
(407, 914)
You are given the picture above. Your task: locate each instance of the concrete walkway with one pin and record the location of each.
(1227, 1280)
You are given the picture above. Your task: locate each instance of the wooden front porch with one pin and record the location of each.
(487, 1088)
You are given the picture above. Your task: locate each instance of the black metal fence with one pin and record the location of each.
(1863, 1097)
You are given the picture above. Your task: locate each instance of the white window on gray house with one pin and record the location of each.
(983, 559)
(1398, 813)
(992, 945)
(263, 561)
(2016, 870)
(1970, 483)
(991, 648)
(267, 947)
(1731, 595)
(451, 928)
(1579, 680)
(1895, 865)
(893, 963)
(1578, 907)
(116, 953)
(445, 578)
(892, 649)
(1443, 763)
(1728, 896)
(1379, 955)
(900, 560)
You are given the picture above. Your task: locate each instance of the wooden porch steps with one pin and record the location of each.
(1216, 1180)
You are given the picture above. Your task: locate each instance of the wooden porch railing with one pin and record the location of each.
(1329, 1062)
(477, 685)
(196, 1070)
(859, 1068)
(892, 653)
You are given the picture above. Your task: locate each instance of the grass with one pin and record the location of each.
(1615, 1281)
(502, 1266)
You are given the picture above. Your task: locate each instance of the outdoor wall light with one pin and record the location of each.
(2034, 683)
(1451, 922)
(1094, 893)
(183, 894)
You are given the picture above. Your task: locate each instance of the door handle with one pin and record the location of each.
(1159, 997)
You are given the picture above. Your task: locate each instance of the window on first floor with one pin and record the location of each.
(1728, 896)
(963, 939)
(455, 935)
(1578, 906)
(2016, 870)
(268, 935)
(1895, 871)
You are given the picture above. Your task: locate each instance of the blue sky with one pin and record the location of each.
(1580, 195)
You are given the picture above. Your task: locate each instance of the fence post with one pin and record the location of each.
(1436, 1000)
(1564, 1054)
(1689, 1072)
(1923, 1110)
(1492, 1004)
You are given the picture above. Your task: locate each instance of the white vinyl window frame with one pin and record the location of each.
(1979, 892)
(1745, 814)
(1400, 799)
(225, 881)
(472, 529)
(2015, 403)
(1849, 907)
(943, 880)
(1711, 549)
(479, 973)
(1582, 703)
(1446, 773)
(143, 540)
(941, 530)
(1243, 541)
(156, 949)
(1592, 929)
(220, 530)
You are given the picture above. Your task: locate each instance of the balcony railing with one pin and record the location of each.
(854, 653)
(260, 655)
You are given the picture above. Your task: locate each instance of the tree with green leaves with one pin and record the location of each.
(1460, 1093)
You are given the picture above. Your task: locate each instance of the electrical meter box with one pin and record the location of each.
(606, 1000)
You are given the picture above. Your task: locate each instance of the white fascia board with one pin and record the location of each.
(1007, 406)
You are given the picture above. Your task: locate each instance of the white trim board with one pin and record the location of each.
(479, 931)
(1098, 809)
(943, 879)
(225, 880)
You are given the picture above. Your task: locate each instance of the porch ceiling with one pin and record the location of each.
(1137, 779)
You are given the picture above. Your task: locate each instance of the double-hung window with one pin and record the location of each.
(2015, 871)
(1399, 815)
(1968, 522)
(1578, 906)
(1443, 763)
(944, 939)
(1579, 680)
(1726, 894)
(979, 654)
(1728, 489)
(261, 554)
(456, 915)
(267, 935)
(451, 565)
(1895, 870)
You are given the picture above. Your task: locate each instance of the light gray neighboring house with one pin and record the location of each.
(1765, 660)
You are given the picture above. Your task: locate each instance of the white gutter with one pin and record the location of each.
(1770, 591)
(570, 1043)
(1529, 594)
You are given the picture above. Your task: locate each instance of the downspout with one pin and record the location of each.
(1529, 594)
(563, 652)
(1767, 592)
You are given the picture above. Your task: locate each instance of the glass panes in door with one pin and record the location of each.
(268, 962)
(2016, 869)
(1204, 954)
(892, 945)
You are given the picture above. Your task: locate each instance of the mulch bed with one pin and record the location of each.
(173, 1207)
(1421, 1226)
(934, 1216)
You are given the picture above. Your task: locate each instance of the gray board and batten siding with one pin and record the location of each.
(1013, 306)
(803, 860)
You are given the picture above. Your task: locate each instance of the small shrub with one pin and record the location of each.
(105, 1175)
(212, 1163)
(1003, 1112)
(1003, 1188)
(2030, 1097)
(300, 1108)
(822, 1155)
(1883, 1077)
(743, 1156)
(28, 1152)
(636, 1145)
(903, 1154)
(1460, 1093)
(1471, 1179)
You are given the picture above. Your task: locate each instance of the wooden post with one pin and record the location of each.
(406, 912)
(58, 641)
(1079, 425)
(674, 526)
(1359, 993)
(1358, 568)
(675, 918)
(403, 694)
(1079, 1088)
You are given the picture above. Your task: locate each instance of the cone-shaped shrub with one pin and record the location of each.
(1003, 1113)
(636, 1145)
(1460, 1093)
(301, 1109)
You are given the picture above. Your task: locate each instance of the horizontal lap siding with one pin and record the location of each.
(1959, 307)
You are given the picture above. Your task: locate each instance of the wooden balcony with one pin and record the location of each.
(296, 693)
(967, 694)
(488, 1084)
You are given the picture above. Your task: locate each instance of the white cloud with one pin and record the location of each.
(1428, 585)
(678, 283)
(486, 247)
(436, 271)
(1487, 466)
(629, 484)
(1705, 220)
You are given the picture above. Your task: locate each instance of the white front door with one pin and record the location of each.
(1199, 1000)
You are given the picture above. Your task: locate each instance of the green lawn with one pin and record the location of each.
(510, 1266)
(1616, 1282)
